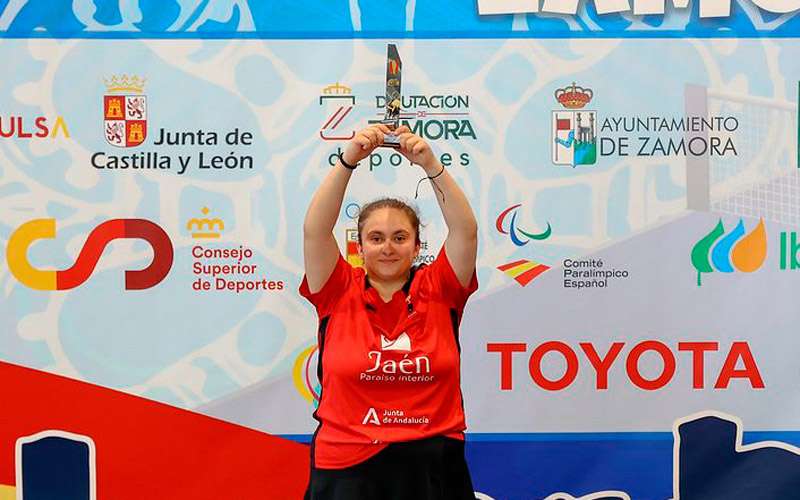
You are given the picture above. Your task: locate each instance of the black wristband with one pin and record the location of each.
(431, 177)
(345, 164)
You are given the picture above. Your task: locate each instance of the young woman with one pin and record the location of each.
(391, 417)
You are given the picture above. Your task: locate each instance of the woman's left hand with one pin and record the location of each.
(415, 148)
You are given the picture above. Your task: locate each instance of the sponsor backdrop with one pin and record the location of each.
(634, 172)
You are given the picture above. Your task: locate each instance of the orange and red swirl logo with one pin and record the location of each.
(38, 279)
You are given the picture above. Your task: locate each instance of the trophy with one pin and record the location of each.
(391, 116)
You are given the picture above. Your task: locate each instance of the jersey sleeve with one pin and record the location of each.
(445, 285)
(332, 290)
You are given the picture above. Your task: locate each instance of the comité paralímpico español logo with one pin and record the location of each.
(574, 139)
(351, 253)
(523, 271)
(25, 235)
(125, 111)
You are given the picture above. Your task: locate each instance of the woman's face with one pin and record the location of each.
(388, 244)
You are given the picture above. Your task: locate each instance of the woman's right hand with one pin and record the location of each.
(364, 143)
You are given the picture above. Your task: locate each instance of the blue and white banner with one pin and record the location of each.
(633, 167)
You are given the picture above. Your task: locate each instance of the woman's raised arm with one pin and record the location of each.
(320, 251)
(461, 244)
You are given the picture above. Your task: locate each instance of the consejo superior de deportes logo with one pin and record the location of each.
(25, 235)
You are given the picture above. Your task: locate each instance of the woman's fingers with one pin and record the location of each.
(412, 143)
(377, 133)
(369, 134)
(403, 139)
(372, 133)
(362, 140)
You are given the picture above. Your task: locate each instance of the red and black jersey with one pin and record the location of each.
(389, 372)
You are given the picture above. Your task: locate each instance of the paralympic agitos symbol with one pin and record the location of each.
(513, 229)
(102, 235)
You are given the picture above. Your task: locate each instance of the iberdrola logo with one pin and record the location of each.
(523, 271)
(726, 252)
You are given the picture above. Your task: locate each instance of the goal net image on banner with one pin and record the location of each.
(760, 182)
